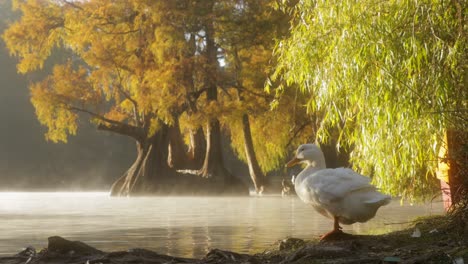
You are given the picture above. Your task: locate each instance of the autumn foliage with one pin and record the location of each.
(151, 70)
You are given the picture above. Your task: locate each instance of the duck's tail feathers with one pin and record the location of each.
(380, 200)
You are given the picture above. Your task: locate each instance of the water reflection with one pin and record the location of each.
(179, 226)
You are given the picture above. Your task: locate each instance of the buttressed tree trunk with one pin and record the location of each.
(213, 165)
(150, 170)
(151, 174)
(256, 173)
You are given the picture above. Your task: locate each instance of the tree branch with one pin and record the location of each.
(113, 125)
(297, 132)
(261, 95)
(98, 116)
(195, 95)
(72, 4)
(119, 32)
(136, 115)
(125, 130)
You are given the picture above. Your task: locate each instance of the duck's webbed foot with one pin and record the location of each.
(336, 233)
(332, 235)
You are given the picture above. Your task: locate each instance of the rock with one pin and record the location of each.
(62, 246)
(63, 251)
(416, 233)
(216, 256)
(27, 252)
(142, 253)
(23, 257)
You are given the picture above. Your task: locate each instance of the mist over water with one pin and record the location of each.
(179, 226)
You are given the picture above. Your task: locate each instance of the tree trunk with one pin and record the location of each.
(151, 174)
(197, 144)
(177, 157)
(255, 172)
(453, 167)
(333, 157)
(150, 170)
(213, 165)
(197, 149)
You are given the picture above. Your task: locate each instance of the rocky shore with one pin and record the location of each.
(427, 242)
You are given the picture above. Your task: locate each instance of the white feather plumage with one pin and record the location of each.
(335, 193)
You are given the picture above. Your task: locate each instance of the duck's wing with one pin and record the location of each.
(331, 185)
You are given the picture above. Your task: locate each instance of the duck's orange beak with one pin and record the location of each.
(293, 162)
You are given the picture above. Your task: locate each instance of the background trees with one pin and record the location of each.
(383, 80)
(246, 35)
(123, 73)
(150, 71)
(389, 76)
(88, 161)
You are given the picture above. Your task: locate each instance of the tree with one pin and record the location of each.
(150, 70)
(126, 74)
(245, 35)
(239, 33)
(389, 76)
(213, 163)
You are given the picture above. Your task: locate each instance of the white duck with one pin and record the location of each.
(341, 194)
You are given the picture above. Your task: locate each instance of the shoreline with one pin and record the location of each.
(438, 242)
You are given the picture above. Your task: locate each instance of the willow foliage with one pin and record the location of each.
(389, 75)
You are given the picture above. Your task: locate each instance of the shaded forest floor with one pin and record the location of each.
(442, 240)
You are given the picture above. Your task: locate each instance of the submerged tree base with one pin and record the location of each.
(187, 184)
(440, 242)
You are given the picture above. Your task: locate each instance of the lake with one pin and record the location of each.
(178, 226)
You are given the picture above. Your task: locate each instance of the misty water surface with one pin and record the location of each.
(180, 226)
